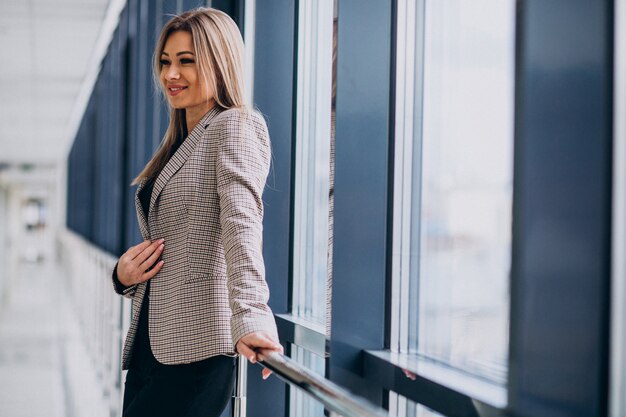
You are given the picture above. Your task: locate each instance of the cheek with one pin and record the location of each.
(207, 90)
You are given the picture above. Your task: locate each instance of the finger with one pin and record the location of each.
(243, 349)
(263, 354)
(149, 274)
(262, 340)
(136, 250)
(266, 373)
(152, 259)
(145, 254)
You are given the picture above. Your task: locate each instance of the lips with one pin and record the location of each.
(175, 89)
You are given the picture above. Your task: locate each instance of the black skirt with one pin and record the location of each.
(188, 390)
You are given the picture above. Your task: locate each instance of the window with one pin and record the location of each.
(312, 185)
(400, 406)
(312, 160)
(301, 404)
(453, 183)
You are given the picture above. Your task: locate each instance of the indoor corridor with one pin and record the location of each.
(44, 366)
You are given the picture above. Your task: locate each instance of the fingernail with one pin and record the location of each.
(265, 376)
(161, 240)
(251, 358)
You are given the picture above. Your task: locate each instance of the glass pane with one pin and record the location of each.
(426, 412)
(400, 406)
(465, 184)
(312, 160)
(302, 404)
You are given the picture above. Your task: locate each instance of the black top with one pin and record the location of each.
(142, 356)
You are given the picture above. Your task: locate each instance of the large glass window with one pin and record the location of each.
(312, 226)
(453, 183)
(400, 406)
(301, 404)
(312, 159)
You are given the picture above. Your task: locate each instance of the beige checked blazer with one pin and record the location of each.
(206, 204)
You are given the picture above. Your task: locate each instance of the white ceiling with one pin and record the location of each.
(45, 50)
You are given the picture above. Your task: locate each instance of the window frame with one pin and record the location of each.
(356, 358)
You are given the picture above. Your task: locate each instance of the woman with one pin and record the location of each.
(197, 281)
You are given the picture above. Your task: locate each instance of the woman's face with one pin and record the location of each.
(180, 78)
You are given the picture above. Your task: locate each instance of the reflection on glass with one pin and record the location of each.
(426, 412)
(302, 404)
(464, 234)
(312, 159)
(400, 406)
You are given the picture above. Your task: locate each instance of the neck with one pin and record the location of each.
(194, 114)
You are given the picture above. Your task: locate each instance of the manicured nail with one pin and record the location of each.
(251, 358)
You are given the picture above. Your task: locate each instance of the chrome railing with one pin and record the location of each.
(104, 319)
(334, 397)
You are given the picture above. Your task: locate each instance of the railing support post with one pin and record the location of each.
(239, 408)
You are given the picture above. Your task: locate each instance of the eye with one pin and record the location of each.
(187, 61)
(164, 62)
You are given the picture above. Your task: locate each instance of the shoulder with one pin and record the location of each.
(239, 118)
(240, 131)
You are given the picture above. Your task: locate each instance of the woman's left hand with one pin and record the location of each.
(247, 344)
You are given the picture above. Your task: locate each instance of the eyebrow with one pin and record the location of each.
(178, 53)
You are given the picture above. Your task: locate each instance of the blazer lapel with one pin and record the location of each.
(180, 156)
(143, 222)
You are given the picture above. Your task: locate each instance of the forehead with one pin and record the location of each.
(178, 41)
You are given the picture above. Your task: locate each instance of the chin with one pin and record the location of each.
(177, 106)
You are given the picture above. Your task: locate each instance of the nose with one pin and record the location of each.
(172, 73)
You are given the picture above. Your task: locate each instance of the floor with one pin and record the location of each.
(44, 368)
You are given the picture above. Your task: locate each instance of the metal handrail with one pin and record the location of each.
(334, 397)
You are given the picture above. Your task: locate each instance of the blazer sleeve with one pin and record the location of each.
(121, 289)
(241, 171)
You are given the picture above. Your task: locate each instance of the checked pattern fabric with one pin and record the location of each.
(206, 204)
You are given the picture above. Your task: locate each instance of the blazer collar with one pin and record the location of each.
(143, 222)
(173, 165)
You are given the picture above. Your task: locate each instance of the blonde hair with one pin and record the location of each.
(218, 49)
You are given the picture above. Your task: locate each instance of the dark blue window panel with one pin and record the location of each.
(362, 190)
(170, 8)
(273, 95)
(144, 88)
(193, 4)
(562, 209)
(136, 145)
(99, 214)
(116, 171)
(126, 201)
(236, 9)
(80, 178)
(151, 93)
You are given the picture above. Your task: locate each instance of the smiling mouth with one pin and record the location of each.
(176, 88)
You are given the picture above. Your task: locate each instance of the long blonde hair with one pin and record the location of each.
(219, 56)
